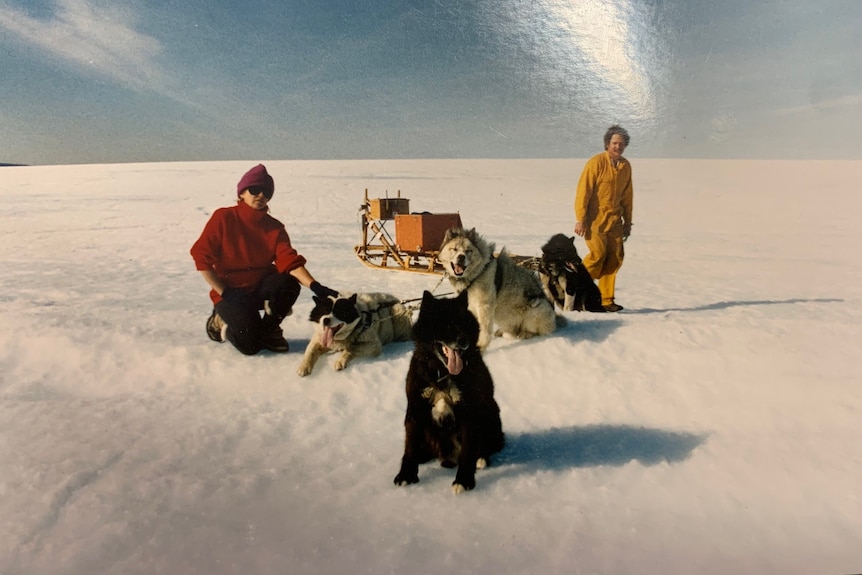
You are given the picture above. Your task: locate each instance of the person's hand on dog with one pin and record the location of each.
(322, 291)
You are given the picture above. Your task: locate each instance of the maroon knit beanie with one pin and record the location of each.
(257, 176)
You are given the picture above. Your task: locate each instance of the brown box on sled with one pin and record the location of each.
(423, 232)
(388, 208)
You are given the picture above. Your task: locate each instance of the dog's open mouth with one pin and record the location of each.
(453, 359)
(457, 269)
(329, 334)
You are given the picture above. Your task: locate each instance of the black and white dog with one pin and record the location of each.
(357, 325)
(566, 281)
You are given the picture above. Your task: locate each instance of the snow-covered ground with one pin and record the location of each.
(712, 427)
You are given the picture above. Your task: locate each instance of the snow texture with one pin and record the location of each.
(712, 427)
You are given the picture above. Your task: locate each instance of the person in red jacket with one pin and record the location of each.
(245, 256)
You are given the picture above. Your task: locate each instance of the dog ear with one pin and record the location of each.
(450, 233)
(352, 299)
(462, 298)
(555, 243)
(446, 237)
(428, 300)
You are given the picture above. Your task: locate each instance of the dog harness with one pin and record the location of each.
(369, 317)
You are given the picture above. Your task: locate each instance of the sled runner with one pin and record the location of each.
(415, 244)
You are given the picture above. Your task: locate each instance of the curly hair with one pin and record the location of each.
(616, 130)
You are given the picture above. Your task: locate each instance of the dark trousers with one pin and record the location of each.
(275, 295)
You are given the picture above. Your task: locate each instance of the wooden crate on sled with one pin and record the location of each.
(388, 208)
(423, 233)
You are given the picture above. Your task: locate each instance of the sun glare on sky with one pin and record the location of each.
(608, 55)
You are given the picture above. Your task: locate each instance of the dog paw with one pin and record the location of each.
(458, 488)
(339, 364)
(303, 370)
(463, 482)
(403, 479)
(481, 463)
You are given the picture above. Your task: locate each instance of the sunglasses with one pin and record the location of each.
(257, 190)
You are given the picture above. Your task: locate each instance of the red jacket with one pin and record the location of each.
(243, 246)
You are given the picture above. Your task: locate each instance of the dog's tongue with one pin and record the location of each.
(454, 364)
(328, 336)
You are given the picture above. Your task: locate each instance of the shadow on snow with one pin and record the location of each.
(562, 448)
(729, 304)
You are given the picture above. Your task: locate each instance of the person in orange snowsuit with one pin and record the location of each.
(603, 212)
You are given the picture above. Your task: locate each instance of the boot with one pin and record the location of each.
(271, 336)
(216, 327)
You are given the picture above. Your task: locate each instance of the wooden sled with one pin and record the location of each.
(415, 245)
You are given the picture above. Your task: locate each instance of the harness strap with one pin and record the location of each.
(370, 316)
(498, 273)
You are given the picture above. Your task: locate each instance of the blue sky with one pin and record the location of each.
(94, 81)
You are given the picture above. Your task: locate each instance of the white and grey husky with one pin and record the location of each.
(499, 291)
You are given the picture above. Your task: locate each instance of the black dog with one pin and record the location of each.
(451, 411)
(566, 281)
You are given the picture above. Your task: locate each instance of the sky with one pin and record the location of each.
(97, 81)
(712, 427)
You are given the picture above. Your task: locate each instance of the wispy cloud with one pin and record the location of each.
(853, 101)
(97, 37)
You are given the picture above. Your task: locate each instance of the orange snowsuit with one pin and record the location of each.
(604, 203)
